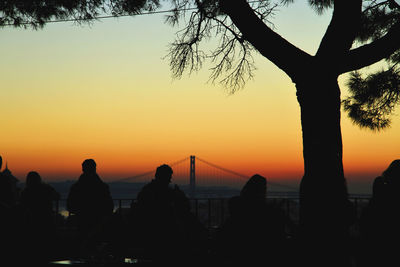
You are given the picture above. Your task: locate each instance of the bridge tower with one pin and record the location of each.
(192, 176)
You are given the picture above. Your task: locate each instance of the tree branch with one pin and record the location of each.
(341, 31)
(394, 4)
(271, 45)
(373, 52)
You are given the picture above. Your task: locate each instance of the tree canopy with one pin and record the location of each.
(373, 96)
(371, 32)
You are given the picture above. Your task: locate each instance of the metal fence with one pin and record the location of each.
(212, 212)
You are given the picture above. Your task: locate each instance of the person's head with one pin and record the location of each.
(255, 188)
(393, 170)
(391, 177)
(33, 178)
(89, 166)
(164, 174)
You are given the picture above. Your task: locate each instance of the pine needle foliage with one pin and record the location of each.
(374, 96)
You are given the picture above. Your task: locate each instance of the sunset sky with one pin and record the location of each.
(104, 91)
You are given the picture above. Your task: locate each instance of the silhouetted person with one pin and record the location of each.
(37, 199)
(254, 232)
(380, 222)
(36, 203)
(90, 200)
(161, 218)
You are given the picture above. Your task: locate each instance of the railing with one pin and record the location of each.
(212, 212)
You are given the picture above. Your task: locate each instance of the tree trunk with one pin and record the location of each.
(324, 207)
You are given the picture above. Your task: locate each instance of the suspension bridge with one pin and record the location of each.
(196, 175)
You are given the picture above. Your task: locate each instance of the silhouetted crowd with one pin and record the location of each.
(28, 228)
(160, 228)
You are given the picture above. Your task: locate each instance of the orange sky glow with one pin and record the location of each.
(105, 92)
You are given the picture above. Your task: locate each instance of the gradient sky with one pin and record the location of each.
(104, 91)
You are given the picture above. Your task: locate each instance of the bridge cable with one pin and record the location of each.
(223, 169)
(150, 172)
(242, 175)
